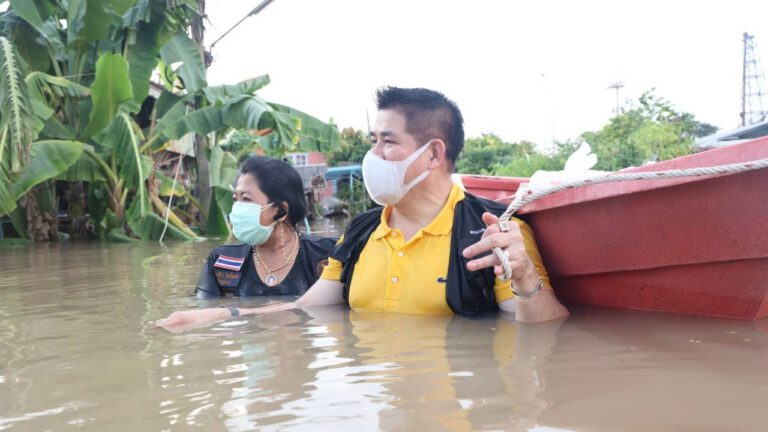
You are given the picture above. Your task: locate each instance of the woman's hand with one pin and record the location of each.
(191, 319)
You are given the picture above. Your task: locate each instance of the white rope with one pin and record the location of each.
(524, 196)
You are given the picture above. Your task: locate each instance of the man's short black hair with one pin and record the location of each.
(428, 115)
(280, 182)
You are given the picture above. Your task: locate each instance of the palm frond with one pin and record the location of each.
(53, 87)
(15, 109)
(19, 126)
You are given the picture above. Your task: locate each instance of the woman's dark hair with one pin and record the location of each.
(280, 183)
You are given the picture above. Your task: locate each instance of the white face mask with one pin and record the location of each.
(385, 180)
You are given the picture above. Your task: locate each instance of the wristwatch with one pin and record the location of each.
(233, 311)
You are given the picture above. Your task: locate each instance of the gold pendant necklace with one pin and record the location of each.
(271, 278)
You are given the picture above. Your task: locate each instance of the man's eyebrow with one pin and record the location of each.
(384, 133)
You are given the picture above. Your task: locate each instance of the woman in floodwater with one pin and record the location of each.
(274, 257)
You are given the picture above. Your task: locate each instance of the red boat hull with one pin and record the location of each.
(691, 245)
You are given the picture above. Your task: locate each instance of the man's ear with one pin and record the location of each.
(437, 154)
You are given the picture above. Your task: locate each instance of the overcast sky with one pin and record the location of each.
(523, 70)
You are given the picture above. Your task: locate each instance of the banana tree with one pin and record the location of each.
(60, 42)
(91, 64)
(25, 162)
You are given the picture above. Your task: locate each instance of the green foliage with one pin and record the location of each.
(356, 197)
(353, 146)
(183, 49)
(650, 130)
(19, 122)
(48, 160)
(248, 87)
(485, 155)
(111, 88)
(91, 62)
(306, 132)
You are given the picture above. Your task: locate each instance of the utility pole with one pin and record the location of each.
(752, 79)
(203, 184)
(618, 85)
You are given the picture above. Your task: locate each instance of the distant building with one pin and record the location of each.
(312, 168)
(733, 136)
(343, 176)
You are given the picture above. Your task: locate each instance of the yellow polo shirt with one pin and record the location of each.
(410, 277)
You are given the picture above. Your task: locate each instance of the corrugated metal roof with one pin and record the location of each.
(733, 136)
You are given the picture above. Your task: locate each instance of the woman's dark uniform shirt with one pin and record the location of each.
(229, 270)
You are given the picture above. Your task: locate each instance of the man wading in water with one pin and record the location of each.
(426, 250)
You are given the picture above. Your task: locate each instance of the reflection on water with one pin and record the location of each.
(77, 349)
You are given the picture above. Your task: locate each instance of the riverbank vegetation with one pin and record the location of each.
(94, 94)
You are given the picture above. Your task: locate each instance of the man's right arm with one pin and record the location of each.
(324, 292)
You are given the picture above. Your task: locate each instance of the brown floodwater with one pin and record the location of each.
(78, 351)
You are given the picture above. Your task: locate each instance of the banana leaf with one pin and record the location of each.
(166, 187)
(19, 221)
(222, 169)
(248, 87)
(84, 169)
(245, 112)
(202, 121)
(111, 87)
(143, 50)
(150, 226)
(165, 103)
(124, 138)
(182, 49)
(118, 236)
(55, 129)
(33, 11)
(19, 123)
(314, 134)
(48, 160)
(41, 83)
(26, 40)
(217, 221)
(97, 197)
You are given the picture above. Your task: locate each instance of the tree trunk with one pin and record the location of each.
(74, 194)
(42, 217)
(202, 184)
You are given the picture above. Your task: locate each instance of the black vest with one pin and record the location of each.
(215, 281)
(467, 292)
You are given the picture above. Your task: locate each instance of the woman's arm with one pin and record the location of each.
(322, 293)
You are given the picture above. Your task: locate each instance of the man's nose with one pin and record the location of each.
(378, 148)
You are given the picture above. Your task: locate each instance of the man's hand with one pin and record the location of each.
(510, 241)
(180, 321)
(543, 306)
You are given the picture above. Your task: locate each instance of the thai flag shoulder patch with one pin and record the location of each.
(229, 263)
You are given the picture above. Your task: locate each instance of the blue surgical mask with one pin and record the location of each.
(246, 223)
